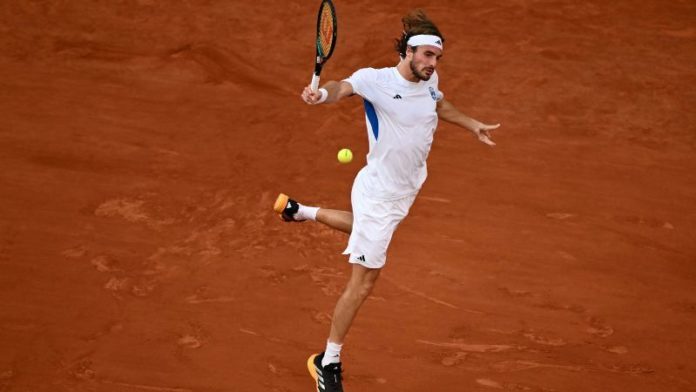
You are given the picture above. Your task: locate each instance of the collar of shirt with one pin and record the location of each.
(401, 81)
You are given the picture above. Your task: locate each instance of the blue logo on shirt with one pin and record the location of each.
(433, 93)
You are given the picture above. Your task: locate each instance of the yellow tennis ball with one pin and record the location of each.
(345, 155)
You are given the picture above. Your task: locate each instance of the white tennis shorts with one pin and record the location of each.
(374, 223)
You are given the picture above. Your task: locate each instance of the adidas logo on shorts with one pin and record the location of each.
(361, 258)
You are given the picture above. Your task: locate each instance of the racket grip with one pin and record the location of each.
(315, 83)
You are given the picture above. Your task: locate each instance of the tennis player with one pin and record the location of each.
(402, 108)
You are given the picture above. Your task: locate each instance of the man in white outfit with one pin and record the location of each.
(402, 108)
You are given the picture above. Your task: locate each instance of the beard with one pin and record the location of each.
(419, 74)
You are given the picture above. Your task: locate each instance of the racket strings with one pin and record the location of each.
(326, 30)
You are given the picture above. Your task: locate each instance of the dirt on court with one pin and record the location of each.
(143, 142)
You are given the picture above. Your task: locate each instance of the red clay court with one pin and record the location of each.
(143, 143)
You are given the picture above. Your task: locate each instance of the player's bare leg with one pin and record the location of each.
(359, 287)
(336, 219)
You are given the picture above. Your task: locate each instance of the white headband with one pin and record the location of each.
(423, 39)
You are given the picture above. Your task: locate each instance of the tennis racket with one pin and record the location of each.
(326, 38)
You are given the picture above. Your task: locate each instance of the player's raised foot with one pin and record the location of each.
(287, 208)
(328, 378)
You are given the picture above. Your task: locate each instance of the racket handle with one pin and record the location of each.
(315, 82)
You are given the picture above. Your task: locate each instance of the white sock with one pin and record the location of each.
(332, 354)
(306, 212)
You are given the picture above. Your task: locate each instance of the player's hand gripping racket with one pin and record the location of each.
(326, 38)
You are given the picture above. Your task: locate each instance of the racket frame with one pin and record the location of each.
(322, 58)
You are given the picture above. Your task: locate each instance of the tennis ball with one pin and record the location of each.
(345, 155)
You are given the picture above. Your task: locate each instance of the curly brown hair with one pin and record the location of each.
(415, 23)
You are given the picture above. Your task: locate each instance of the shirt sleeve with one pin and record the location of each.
(363, 82)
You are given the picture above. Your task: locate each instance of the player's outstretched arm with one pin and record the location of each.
(330, 92)
(447, 112)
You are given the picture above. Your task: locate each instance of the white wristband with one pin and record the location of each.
(324, 95)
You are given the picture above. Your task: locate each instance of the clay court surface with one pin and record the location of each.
(142, 144)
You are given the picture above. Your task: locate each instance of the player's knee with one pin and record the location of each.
(366, 285)
(360, 289)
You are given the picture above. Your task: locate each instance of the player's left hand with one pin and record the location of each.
(483, 132)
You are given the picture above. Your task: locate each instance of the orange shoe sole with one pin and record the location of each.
(312, 370)
(280, 203)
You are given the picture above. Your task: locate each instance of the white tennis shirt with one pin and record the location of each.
(401, 120)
